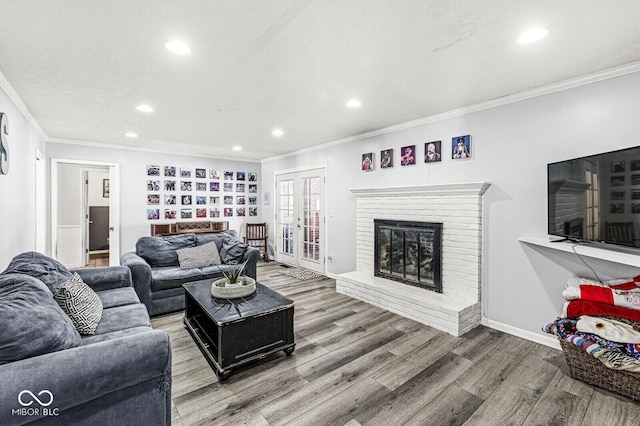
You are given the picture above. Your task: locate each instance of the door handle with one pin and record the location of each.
(111, 228)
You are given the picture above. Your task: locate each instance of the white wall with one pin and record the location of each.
(133, 178)
(18, 188)
(511, 146)
(95, 193)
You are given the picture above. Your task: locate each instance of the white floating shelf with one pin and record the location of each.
(617, 255)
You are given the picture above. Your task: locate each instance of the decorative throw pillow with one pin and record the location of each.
(232, 251)
(199, 256)
(31, 323)
(81, 303)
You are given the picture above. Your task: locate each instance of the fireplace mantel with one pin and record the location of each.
(458, 207)
(466, 188)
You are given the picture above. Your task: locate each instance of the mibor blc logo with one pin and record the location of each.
(35, 404)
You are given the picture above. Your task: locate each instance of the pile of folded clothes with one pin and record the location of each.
(603, 319)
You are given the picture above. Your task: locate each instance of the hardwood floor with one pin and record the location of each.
(356, 364)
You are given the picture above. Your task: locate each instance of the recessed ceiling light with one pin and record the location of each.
(144, 108)
(237, 148)
(277, 132)
(131, 135)
(178, 47)
(354, 103)
(533, 35)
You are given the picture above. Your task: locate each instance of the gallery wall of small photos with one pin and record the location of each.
(624, 183)
(410, 155)
(184, 193)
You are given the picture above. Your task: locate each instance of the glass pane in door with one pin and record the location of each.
(285, 216)
(311, 218)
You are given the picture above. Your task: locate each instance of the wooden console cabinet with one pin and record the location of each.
(188, 227)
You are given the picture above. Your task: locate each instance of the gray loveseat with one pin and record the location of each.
(50, 374)
(156, 273)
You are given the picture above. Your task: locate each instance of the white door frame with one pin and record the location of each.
(41, 202)
(323, 244)
(114, 205)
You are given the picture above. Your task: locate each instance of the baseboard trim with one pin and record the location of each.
(542, 339)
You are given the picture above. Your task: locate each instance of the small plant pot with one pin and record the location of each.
(222, 289)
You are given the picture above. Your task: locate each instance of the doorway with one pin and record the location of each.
(75, 187)
(300, 218)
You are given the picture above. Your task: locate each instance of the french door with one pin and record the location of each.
(300, 219)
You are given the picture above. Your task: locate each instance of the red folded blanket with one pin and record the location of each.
(576, 308)
(624, 293)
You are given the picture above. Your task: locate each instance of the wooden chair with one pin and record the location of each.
(256, 236)
(620, 232)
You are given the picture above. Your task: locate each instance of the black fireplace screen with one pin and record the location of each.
(409, 252)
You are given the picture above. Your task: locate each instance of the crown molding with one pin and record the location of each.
(22, 107)
(494, 103)
(156, 150)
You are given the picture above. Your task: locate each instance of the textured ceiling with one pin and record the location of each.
(82, 66)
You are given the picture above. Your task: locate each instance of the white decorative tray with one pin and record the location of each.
(223, 290)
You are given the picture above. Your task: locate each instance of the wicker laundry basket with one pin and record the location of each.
(588, 369)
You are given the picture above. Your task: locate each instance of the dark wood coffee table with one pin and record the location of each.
(234, 332)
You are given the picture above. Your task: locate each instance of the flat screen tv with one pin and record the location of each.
(596, 198)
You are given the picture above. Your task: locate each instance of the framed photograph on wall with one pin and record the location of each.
(201, 173)
(153, 170)
(228, 187)
(461, 147)
(635, 165)
(185, 172)
(239, 187)
(214, 212)
(253, 201)
(185, 185)
(253, 211)
(214, 174)
(152, 185)
(170, 171)
(635, 194)
(240, 199)
(153, 214)
(617, 195)
(240, 176)
(253, 188)
(169, 214)
(169, 185)
(186, 200)
(618, 166)
(214, 186)
(153, 199)
(240, 211)
(616, 180)
(367, 161)
(228, 199)
(186, 213)
(616, 208)
(228, 212)
(228, 175)
(433, 152)
(408, 155)
(386, 159)
(201, 199)
(106, 190)
(201, 186)
(635, 208)
(214, 200)
(200, 213)
(253, 177)
(635, 179)
(170, 199)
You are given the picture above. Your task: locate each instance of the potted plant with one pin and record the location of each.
(233, 284)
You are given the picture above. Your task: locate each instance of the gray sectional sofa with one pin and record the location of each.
(50, 374)
(156, 273)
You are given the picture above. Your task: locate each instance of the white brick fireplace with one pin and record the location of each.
(459, 208)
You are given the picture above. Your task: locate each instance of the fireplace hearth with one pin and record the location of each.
(409, 252)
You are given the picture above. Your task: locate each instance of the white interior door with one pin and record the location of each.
(300, 219)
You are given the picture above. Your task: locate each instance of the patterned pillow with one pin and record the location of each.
(81, 303)
(199, 256)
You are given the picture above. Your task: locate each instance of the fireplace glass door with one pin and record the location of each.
(409, 252)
